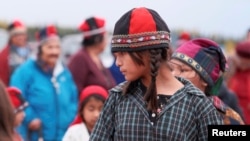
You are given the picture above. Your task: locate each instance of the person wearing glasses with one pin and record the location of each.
(202, 62)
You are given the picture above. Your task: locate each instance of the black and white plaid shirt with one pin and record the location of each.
(184, 118)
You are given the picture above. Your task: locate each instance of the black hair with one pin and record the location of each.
(157, 56)
(92, 40)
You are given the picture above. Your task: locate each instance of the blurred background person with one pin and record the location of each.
(7, 119)
(183, 37)
(19, 105)
(86, 65)
(202, 61)
(248, 35)
(92, 99)
(239, 76)
(48, 87)
(15, 52)
(230, 98)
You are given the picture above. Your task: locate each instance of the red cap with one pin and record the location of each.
(16, 99)
(92, 26)
(93, 89)
(16, 27)
(243, 49)
(46, 32)
(185, 36)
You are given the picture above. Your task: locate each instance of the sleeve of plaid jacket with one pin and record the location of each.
(104, 128)
(208, 115)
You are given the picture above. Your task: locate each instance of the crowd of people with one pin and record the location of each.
(152, 91)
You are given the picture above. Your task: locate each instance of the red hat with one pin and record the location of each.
(16, 27)
(140, 29)
(93, 89)
(47, 33)
(185, 36)
(92, 26)
(243, 49)
(16, 99)
(87, 92)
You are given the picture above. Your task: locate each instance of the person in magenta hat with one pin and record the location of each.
(152, 104)
(48, 87)
(202, 62)
(239, 77)
(15, 52)
(86, 65)
(92, 99)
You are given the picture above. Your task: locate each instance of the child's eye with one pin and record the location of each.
(91, 109)
(182, 70)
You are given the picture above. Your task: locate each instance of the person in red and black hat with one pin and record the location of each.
(202, 61)
(152, 104)
(86, 65)
(18, 102)
(15, 52)
(92, 99)
(239, 77)
(49, 88)
(19, 105)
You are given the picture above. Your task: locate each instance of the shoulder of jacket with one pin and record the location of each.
(119, 88)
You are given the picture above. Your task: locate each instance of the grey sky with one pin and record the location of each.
(230, 18)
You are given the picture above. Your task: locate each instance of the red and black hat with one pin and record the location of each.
(46, 33)
(16, 99)
(16, 27)
(92, 26)
(140, 29)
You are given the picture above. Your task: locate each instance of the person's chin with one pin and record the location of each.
(127, 78)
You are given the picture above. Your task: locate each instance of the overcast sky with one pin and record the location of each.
(230, 18)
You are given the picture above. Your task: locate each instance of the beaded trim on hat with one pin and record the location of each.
(190, 61)
(141, 39)
(21, 108)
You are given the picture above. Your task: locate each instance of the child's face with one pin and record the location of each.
(128, 67)
(19, 118)
(91, 112)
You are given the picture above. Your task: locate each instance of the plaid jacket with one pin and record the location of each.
(185, 117)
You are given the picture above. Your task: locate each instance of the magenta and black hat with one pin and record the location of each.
(203, 55)
(140, 29)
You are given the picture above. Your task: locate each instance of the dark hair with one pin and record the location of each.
(7, 115)
(84, 102)
(39, 50)
(92, 40)
(157, 56)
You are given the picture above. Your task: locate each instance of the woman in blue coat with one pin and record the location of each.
(49, 88)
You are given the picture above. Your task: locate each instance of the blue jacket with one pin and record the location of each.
(53, 102)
